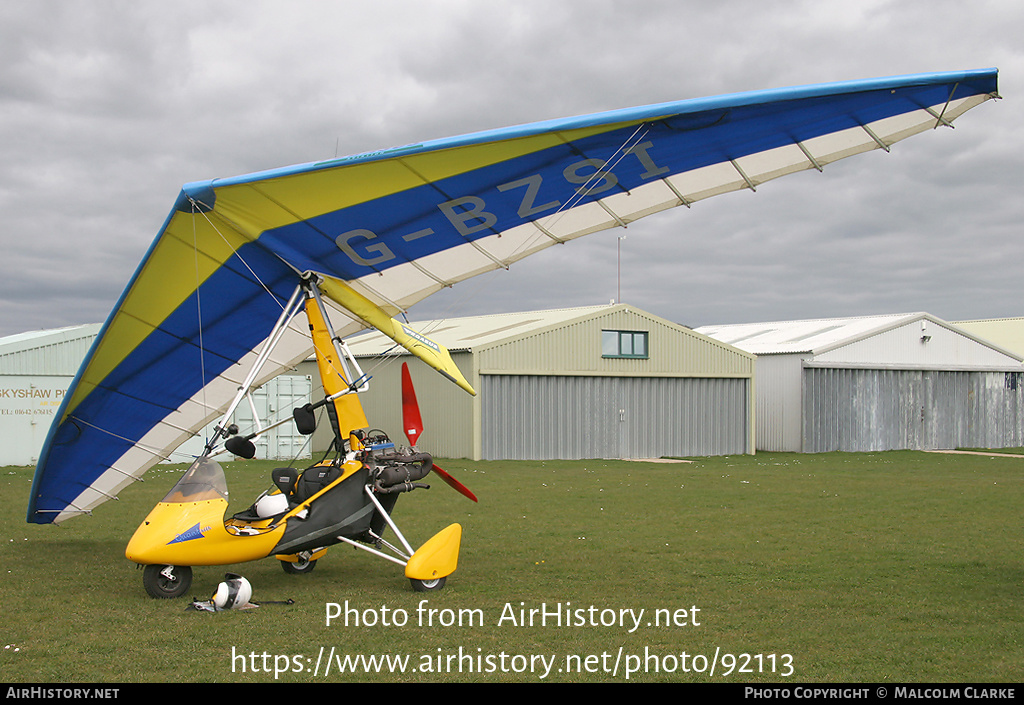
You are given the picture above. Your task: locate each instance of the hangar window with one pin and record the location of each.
(624, 343)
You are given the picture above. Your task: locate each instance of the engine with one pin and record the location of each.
(399, 470)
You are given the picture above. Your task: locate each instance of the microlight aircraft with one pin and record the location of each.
(250, 275)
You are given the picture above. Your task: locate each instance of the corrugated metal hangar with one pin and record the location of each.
(616, 382)
(595, 382)
(37, 367)
(880, 383)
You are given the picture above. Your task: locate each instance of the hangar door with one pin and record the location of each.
(537, 417)
(867, 410)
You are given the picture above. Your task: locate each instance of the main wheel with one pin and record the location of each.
(427, 585)
(303, 565)
(167, 581)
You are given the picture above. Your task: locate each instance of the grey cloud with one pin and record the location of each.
(109, 107)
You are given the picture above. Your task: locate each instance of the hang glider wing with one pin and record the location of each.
(395, 226)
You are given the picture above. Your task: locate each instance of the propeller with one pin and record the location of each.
(412, 422)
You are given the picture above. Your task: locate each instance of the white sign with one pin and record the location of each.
(28, 405)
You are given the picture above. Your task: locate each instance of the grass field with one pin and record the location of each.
(880, 567)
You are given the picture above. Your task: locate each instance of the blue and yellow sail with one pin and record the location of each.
(394, 226)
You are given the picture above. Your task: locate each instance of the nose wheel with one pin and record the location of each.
(167, 581)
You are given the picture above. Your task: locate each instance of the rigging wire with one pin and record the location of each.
(199, 306)
(241, 259)
(551, 220)
(234, 251)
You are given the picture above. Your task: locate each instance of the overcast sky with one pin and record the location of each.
(107, 108)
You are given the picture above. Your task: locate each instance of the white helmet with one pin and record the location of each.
(270, 504)
(233, 593)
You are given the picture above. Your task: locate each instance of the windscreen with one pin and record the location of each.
(204, 480)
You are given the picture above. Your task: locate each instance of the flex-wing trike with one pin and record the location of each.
(348, 497)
